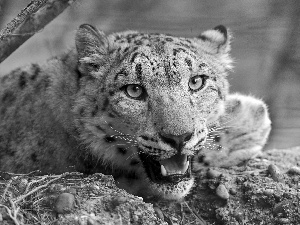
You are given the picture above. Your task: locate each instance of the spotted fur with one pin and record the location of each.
(79, 111)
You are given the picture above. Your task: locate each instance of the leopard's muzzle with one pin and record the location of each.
(172, 170)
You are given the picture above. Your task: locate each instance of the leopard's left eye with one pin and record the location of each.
(135, 91)
(197, 82)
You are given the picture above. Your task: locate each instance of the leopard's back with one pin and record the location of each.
(35, 121)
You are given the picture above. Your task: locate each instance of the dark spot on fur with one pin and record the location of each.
(189, 63)
(138, 42)
(109, 139)
(146, 56)
(145, 137)
(121, 150)
(46, 81)
(122, 72)
(81, 111)
(134, 162)
(206, 164)
(202, 37)
(64, 58)
(22, 80)
(133, 57)
(78, 77)
(221, 96)
(100, 128)
(36, 71)
(8, 97)
(200, 142)
(138, 70)
(202, 65)
(217, 139)
(201, 158)
(115, 113)
(41, 143)
(42, 84)
(111, 115)
(132, 36)
(111, 93)
(174, 64)
(175, 51)
(95, 111)
(81, 123)
(33, 157)
(105, 104)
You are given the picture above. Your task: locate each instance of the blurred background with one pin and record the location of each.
(266, 45)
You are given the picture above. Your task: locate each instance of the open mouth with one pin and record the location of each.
(172, 170)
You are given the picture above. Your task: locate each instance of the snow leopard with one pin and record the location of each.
(147, 108)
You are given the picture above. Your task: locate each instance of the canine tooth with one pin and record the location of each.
(163, 170)
(186, 166)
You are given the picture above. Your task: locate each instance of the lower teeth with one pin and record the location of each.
(165, 173)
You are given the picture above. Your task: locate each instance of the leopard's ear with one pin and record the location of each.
(91, 45)
(216, 41)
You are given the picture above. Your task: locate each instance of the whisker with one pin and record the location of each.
(131, 155)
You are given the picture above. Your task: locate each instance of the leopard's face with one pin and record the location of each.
(159, 94)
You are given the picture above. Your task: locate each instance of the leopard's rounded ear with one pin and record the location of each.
(216, 41)
(91, 44)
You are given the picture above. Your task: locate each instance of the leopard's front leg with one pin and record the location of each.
(239, 135)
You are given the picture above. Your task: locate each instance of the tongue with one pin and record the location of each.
(177, 164)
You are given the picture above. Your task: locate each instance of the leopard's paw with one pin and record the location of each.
(238, 136)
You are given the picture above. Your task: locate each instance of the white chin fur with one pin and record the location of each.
(172, 191)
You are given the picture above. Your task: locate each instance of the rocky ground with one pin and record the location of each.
(266, 190)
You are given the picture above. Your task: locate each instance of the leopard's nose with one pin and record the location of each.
(176, 141)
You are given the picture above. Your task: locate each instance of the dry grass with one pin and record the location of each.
(23, 197)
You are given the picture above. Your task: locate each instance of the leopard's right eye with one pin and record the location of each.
(135, 91)
(197, 82)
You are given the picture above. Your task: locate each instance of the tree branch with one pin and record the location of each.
(31, 8)
(29, 21)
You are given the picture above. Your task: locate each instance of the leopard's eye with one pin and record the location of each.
(197, 82)
(135, 91)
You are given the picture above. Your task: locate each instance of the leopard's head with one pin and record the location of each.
(146, 101)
